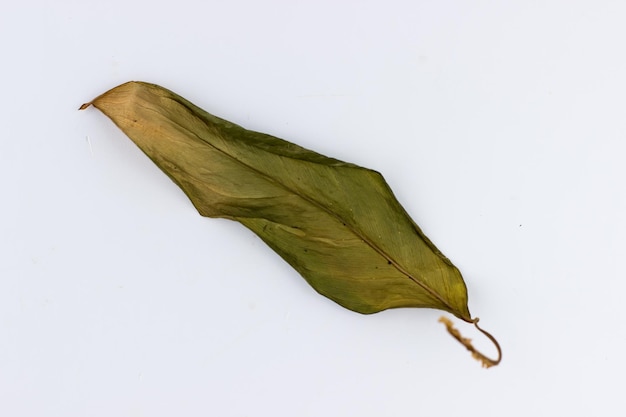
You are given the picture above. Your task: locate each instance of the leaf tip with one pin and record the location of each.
(84, 106)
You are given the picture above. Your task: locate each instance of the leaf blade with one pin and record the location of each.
(339, 225)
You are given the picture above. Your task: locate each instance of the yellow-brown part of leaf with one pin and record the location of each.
(485, 361)
(339, 225)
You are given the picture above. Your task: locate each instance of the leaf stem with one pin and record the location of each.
(486, 362)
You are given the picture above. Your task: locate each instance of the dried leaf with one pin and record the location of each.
(339, 225)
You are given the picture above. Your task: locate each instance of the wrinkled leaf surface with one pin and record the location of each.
(339, 225)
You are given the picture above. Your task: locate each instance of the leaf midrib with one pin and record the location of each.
(311, 201)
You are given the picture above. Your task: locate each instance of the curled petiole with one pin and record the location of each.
(486, 362)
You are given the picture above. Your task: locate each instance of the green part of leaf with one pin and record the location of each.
(339, 225)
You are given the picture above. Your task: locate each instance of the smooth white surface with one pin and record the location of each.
(499, 125)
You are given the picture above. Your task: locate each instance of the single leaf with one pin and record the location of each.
(339, 225)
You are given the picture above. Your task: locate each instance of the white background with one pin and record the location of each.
(499, 125)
